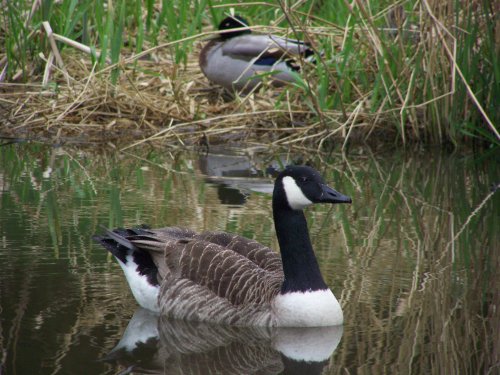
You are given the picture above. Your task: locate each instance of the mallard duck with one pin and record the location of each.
(224, 278)
(236, 57)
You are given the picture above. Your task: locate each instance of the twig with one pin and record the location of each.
(48, 68)
(55, 50)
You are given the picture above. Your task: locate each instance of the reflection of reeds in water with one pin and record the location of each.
(419, 301)
(414, 300)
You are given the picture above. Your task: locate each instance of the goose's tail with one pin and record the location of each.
(137, 264)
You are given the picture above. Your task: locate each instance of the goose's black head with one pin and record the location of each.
(233, 22)
(300, 186)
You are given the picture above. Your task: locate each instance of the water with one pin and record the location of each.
(414, 261)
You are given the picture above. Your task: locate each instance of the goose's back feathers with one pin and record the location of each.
(259, 254)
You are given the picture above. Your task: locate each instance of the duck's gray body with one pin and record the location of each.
(236, 59)
(225, 278)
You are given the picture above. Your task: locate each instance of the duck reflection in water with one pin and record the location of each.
(153, 344)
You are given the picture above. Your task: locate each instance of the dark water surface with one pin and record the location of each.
(414, 260)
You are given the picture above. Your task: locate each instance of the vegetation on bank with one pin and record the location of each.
(405, 71)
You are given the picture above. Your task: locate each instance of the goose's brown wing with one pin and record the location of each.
(231, 267)
(261, 255)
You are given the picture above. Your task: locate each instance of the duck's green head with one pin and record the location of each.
(233, 22)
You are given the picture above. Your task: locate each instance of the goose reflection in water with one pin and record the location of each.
(153, 344)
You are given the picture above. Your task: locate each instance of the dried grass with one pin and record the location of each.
(141, 108)
(157, 100)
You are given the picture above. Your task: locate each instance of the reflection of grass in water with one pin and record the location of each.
(420, 307)
(411, 302)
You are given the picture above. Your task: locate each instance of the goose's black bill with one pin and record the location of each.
(330, 195)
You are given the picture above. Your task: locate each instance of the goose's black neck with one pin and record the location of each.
(299, 262)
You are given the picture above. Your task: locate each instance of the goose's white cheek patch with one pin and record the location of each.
(294, 195)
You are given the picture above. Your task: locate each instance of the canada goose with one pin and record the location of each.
(225, 278)
(233, 58)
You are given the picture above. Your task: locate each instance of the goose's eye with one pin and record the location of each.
(304, 179)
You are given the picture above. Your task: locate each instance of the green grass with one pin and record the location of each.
(433, 78)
